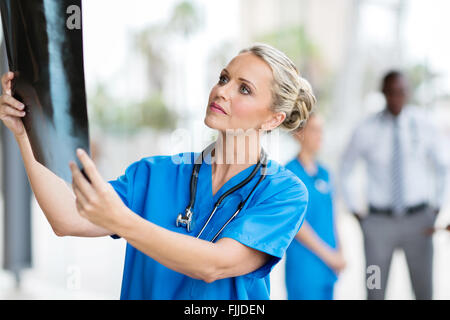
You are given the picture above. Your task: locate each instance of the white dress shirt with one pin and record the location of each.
(421, 151)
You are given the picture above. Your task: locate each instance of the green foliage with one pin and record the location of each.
(127, 117)
(421, 81)
(150, 43)
(301, 49)
(186, 19)
(123, 117)
(294, 42)
(155, 114)
(419, 74)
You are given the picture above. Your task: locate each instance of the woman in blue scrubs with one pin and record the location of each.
(258, 91)
(314, 258)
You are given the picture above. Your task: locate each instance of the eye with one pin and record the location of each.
(245, 90)
(222, 79)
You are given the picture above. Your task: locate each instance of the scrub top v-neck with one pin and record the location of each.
(157, 189)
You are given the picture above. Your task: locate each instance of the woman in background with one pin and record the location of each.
(314, 258)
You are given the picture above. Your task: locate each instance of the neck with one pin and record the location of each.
(234, 153)
(307, 159)
(240, 150)
(392, 113)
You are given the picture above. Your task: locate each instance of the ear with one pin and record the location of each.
(274, 121)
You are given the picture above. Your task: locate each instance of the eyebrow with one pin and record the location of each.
(242, 79)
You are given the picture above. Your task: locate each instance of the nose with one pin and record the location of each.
(224, 91)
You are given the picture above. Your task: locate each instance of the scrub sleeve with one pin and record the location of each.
(271, 224)
(127, 183)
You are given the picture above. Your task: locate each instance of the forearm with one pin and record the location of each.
(53, 195)
(193, 257)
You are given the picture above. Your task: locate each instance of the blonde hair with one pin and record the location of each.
(291, 93)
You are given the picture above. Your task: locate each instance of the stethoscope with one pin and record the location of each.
(185, 220)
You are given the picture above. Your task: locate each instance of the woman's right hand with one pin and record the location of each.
(11, 110)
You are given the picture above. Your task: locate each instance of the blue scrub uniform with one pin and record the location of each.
(307, 276)
(157, 189)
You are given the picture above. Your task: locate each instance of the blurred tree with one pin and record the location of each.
(298, 46)
(151, 43)
(111, 115)
(186, 19)
(152, 112)
(422, 84)
(155, 114)
(295, 43)
(107, 113)
(100, 105)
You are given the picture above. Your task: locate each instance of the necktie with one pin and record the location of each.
(397, 176)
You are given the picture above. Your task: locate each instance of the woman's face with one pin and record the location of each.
(310, 137)
(242, 97)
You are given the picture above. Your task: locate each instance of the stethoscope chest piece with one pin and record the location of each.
(185, 220)
(322, 186)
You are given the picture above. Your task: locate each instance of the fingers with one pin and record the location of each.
(90, 168)
(79, 182)
(6, 82)
(8, 100)
(81, 199)
(8, 111)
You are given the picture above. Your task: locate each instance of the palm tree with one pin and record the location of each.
(186, 19)
(151, 44)
(298, 46)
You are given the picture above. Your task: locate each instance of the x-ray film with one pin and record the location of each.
(45, 51)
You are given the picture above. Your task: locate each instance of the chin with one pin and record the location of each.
(211, 123)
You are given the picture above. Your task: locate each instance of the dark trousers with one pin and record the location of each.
(384, 233)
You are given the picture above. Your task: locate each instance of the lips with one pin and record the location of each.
(215, 107)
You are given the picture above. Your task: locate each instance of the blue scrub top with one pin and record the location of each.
(303, 267)
(157, 189)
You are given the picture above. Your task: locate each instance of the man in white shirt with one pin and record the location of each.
(397, 145)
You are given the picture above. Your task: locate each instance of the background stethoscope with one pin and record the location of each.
(186, 219)
(319, 184)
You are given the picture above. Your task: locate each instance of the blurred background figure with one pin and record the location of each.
(397, 144)
(314, 257)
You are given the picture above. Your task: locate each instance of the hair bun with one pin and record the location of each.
(291, 94)
(302, 108)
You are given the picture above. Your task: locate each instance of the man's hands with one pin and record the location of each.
(436, 211)
(358, 216)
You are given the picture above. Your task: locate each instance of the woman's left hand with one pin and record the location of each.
(336, 261)
(96, 200)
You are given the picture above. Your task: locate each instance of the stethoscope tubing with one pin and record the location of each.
(226, 194)
(241, 205)
(187, 220)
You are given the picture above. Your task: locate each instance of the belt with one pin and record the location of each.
(390, 212)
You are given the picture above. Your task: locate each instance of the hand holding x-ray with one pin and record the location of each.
(45, 54)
